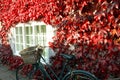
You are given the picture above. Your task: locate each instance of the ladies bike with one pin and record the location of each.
(67, 72)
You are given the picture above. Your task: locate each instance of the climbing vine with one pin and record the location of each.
(89, 29)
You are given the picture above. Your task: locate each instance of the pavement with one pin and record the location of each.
(6, 74)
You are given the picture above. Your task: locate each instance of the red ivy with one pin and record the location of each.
(90, 29)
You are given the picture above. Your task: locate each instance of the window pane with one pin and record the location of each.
(21, 39)
(17, 39)
(17, 30)
(36, 40)
(27, 40)
(20, 30)
(43, 28)
(42, 41)
(37, 29)
(19, 47)
(28, 30)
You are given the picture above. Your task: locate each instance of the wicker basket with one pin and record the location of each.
(30, 55)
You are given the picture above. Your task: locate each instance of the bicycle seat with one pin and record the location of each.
(68, 56)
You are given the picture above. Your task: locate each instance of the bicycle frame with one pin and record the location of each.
(67, 72)
(45, 73)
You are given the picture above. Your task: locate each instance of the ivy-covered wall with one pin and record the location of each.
(91, 27)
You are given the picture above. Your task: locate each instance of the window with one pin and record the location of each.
(31, 34)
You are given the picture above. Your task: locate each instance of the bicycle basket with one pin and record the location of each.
(30, 55)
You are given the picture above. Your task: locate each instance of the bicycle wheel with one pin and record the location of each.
(37, 75)
(79, 75)
(22, 73)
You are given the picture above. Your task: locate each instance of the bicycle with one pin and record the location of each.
(69, 75)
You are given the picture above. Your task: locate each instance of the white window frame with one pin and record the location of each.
(49, 34)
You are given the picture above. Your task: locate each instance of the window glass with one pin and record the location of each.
(28, 30)
(20, 30)
(27, 40)
(31, 34)
(19, 47)
(37, 29)
(43, 28)
(17, 30)
(21, 39)
(17, 38)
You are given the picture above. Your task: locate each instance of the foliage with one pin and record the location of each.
(7, 57)
(89, 29)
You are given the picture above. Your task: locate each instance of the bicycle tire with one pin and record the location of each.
(37, 75)
(20, 75)
(79, 75)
